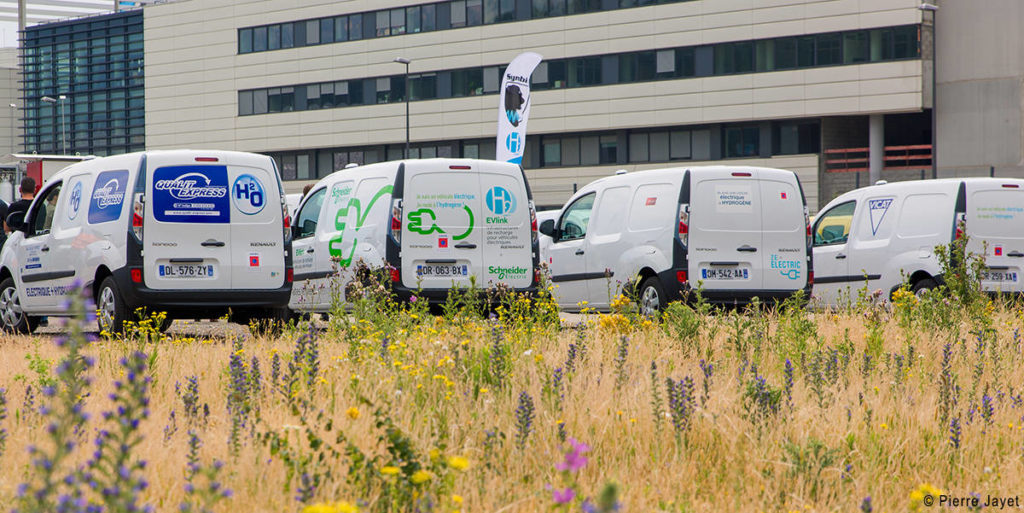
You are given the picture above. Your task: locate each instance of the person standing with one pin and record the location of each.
(28, 192)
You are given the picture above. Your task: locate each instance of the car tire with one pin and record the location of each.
(650, 297)
(922, 286)
(112, 312)
(12, 317)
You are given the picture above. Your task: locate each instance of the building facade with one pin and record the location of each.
(827, 88)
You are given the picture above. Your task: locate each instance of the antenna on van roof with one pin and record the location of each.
(881, 182)
(351, 165)
(621, 172)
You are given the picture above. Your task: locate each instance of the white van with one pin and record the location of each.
(434, 222)
(885, 234)
(736, 232)
(191, 233)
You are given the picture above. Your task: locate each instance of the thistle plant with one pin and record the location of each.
(275, 369)
(190, 399)
(954, 432)
(681, 403)
(621, 353)
(201, 497)
(524, 419)
(51, 485)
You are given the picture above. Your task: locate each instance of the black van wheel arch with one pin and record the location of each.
(924, 285)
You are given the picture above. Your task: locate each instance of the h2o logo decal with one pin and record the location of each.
(248, 195)
(501, 201)
(75, 201)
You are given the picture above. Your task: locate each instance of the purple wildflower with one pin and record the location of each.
(563, 496)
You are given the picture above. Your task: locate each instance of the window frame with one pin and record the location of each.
(559, 233)
(298, 235)
(824, 215)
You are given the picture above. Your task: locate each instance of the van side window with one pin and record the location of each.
(310, 213)
(573, 224)
(42, 217)
(833, 227)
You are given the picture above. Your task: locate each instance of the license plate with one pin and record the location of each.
(725, 274)
(1006, 276)
(177, 271)
(442, 270)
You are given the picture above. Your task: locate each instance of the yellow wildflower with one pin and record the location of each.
(457, 499)
(434, 454)
(389, 470)
(353, 413)
(337, 507)
(420, 476)
(458, 462)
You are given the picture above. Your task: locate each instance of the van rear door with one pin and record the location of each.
(995, 225)
(187, 234)
(783, 230)
(442, 241)
(725, 244)
(507, 244)
(257, 227)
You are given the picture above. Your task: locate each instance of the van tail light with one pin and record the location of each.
(138, 214)
(396, 275)
(807, 223)
(681, 277)
(533, 223)
(136, 275)
(289, 275)
(286, 221)
(959, 226)
(810, 278)
(396, 220)
(684, 224)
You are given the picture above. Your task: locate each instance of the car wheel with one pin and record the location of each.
(112, 312)
(923, 286)
(651, 297)
(12, 316)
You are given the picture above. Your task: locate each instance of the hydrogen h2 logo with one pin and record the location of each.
(75, 201)
(501, 201)
(513, 142)
(248, 195)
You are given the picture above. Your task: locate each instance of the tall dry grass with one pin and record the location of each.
(853, 431)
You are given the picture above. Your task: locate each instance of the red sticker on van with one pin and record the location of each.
(783, 195)
(999, 251)
(651, 201)
(442, 242)
(254, 260)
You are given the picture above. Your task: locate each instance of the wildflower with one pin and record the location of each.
(337, 507)
(420, 476)
(574, 459)
(389, 470)
(563, 496)
(457, 499)
(458, 462)
(352, 412)
(884, 426)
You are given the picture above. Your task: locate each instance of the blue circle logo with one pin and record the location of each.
(501, 201)
(75, 201)
(512, 142)
(248, 195)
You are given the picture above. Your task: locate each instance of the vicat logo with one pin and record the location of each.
(108, 194)
(190, 186)
(500, 201)
(503, 272)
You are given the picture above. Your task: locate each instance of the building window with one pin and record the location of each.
(287, 35)
(609, 149)
(327, 30)
(413, 20)
(397, 22)
(829, 50)
(792, 138)
(552, 152)
(244, 41)
(741, 141)
(458, 13)
(474, 12)
(341, 28)
(639, 147)
(429, 17)
(273, 37)
(259, 39)
(856, 47)
(383, 23)
(734, 58)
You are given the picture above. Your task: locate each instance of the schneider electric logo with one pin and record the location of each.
(507, 272)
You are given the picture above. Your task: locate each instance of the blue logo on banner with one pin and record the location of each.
(501, 201)
(108, 196)
(191, 194)
(248, 195)
(513, 142)
(75, 201)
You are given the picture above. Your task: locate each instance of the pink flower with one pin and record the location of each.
(412, 299)
(563, 496)
(574, 459)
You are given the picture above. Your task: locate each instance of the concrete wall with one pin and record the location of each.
(980, 69)
(193, 71)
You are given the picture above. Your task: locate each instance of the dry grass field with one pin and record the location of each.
(394, 409)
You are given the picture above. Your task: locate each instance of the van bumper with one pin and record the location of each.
(439, 296)
(204, 304)
(685, 292)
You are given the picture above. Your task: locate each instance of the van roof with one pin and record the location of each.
(922, 186)
(390, 168)
(673, 173)
(134, 156)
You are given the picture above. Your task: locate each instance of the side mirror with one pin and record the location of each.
(17, 221)
(309, 226)
(548, 227)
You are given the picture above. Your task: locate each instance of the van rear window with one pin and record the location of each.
(191, 194)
